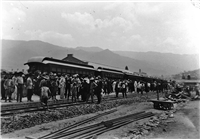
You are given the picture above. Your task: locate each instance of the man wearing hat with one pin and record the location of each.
(98, 89)
(92, 88)
(9, 87)
(54, 87)
(85, 89)
(44, 81)
(20, 83)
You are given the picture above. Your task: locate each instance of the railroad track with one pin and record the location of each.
(89, 131)
(38, 107)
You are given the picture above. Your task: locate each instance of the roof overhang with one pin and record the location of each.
(38, 59)
(66, 64)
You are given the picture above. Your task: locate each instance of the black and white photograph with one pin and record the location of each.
(116, 69)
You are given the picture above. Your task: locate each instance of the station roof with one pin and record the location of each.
(101, 66)
(44, 60)
(37, 59)
(187, 81)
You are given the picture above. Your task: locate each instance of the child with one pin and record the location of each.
(45, 95)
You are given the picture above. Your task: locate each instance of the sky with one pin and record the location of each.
(172, 27)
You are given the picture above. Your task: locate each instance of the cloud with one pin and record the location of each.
(87, 20)
(136, 37)
(84, 19)
(141, 26)
(13, 16)
(171, 41)
(50, 36)
(12, 19)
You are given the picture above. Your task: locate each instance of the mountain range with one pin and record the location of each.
(16, 52)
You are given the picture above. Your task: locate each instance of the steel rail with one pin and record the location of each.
(102, 127)
(19, 106)
(40, 108)
(33, 105)
(114, 127)
(94, 125)
(76, 124)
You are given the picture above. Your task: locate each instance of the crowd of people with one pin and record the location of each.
(49, 86)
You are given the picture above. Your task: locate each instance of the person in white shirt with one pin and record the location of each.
(29, 86)
(113, 86)
(20, 83)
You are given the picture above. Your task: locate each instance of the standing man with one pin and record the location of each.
(92, 87)
(86, 88)
(147, 87)
(117, 89)
(68, 88)
(123, 86)
(20, 83)
(98, 89)
(29, 85)
(53, 88)
(9, 87)
(2, 88)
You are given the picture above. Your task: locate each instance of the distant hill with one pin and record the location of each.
(185, 61)
(15, 53)
(89, 49)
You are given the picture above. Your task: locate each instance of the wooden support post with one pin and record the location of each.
(157, 95)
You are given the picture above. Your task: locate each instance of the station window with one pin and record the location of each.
(53, 69)
(59, 69)
(64, 70)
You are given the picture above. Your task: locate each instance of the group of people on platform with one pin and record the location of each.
(50, 85)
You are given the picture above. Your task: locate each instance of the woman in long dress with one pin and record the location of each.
(62, 87)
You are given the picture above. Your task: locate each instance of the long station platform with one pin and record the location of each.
(36, 99)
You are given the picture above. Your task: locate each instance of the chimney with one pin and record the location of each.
(139, 70)
(70, 55)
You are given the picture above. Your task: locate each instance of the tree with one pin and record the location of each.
(126, 68)
(183, 76)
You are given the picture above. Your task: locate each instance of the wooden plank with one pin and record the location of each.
(28, 137)
(162, 101)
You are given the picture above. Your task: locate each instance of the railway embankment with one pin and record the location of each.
(19, 121)
(183, 123)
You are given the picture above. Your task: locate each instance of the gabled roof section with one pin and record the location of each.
(72, 59)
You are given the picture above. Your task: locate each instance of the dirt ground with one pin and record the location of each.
(184, 124)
